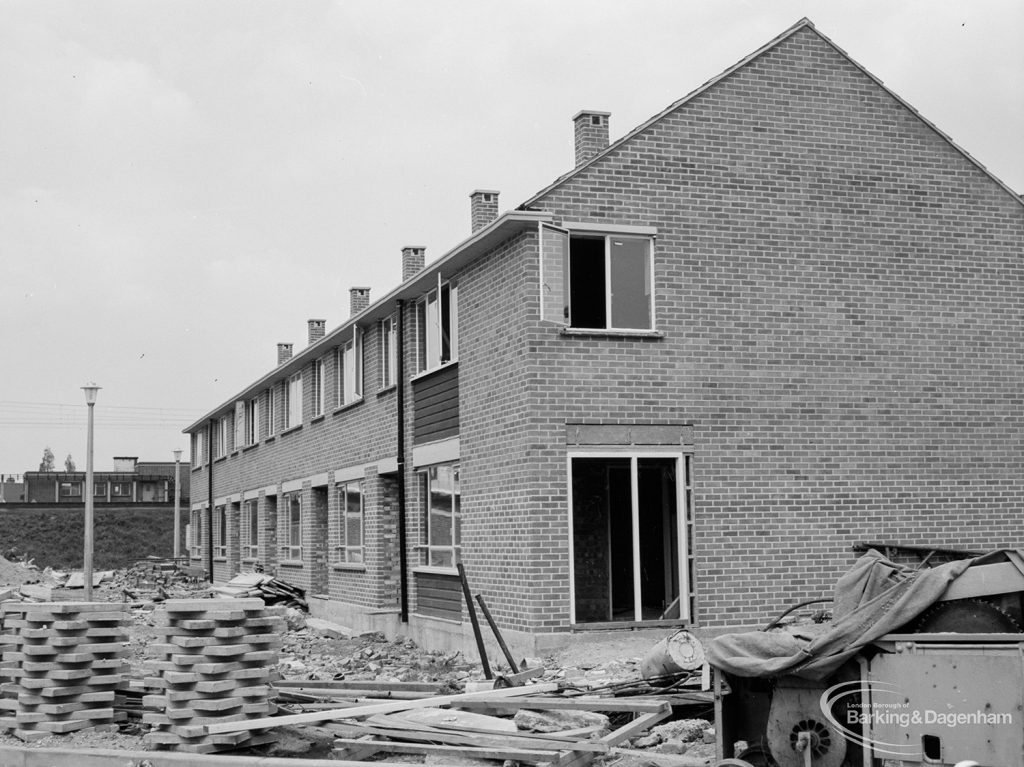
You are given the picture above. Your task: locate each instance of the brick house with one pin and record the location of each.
(132, 483)
(674, 387)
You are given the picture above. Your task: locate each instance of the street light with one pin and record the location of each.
(177, 504)
(91, 390)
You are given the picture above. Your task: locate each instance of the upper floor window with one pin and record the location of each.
(293, 401)
(318, 387)
(350, 369)
(252, 421)
(437, 325)
(388, 352)
(272, 410)
(197, 448)
(220, 437)
(599, 281)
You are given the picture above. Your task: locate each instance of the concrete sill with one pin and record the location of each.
(317, 419)
(290, 563)
(348, 406)
(387, 390)
(248, 448)
(607, 333)
(348, 568)
(291, 429)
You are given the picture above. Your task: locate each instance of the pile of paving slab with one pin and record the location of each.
(64, 665)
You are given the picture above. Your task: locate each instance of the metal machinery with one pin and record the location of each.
(947, 689)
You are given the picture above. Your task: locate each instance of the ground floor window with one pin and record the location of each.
(349, 546)
(291, 533)
(249, 530)
(629, 517)
(442, 502)
(195, 530)
(220, 531)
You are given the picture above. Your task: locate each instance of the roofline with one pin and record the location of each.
(506, 225)
(803, 23)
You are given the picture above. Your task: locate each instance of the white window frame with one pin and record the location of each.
(252, 421)
(452, 550)
(682, 523)
(271, 410)
(220, 531)
(196, 533)
(293, 401)
(345, 551)
(249, 548)
(71, 486)
(575, 230)
(116, 486)
(318, 388)
(350, 369)
(430, 328)
(291, 537)
(388, 352)
(220, 438)
(198, 440)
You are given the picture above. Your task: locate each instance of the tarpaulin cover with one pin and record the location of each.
(874, 598)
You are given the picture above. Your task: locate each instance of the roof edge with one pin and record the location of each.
(506, 224)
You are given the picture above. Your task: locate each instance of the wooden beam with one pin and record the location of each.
(516, 754)
(374, 708)
(530, 741)
(580, 703)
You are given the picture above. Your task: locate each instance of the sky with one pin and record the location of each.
(183, 184)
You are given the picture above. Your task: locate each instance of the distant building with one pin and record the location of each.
(12, 488)
(131, 482)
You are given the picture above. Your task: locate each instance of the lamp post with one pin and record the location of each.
(91, 390)
(177, 504)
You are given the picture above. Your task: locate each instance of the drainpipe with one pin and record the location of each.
(209, 497)
(400, 407)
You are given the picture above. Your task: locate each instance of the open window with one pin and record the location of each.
(629, 537)
(596, 280)
(437, 325)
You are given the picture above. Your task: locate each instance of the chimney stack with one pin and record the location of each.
(359, 299)
(591, 134)
(284, 353)
(414, 258)
(317, 330)
(483, 208)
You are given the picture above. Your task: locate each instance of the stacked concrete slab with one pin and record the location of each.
(215, 665)
(62, 665)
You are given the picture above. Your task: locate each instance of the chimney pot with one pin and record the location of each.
(483, 208)
(591, 131)
(284, 353)
(414, 258)
(359, 299)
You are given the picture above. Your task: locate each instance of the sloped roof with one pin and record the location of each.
(804, 23)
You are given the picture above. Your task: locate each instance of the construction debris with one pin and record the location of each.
(273, 591)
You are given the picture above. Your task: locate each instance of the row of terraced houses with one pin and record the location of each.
(672, 388)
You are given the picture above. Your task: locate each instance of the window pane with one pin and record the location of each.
(631, 282)
(431, 332)
(446, 325)
(295, 523)
(587, 294)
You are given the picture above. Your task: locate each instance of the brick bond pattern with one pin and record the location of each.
(64, 665)
(215, 665)
(837, 292)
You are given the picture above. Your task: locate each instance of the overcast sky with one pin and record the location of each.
(183, 184)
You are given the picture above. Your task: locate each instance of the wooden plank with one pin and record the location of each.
(480, 752)
(480, 740)
(578, 704)
(358, 684)
(376, 708)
